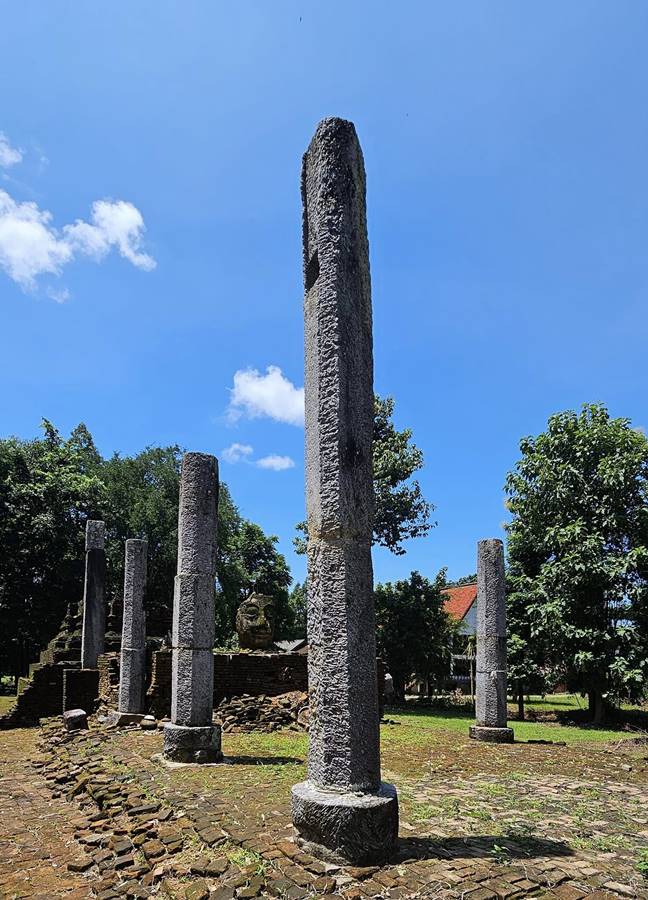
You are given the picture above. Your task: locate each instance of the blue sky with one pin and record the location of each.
(506, 147)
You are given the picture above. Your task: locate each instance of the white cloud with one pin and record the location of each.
(276, 463)
(236, 452)
(9, 156)
(61, 295)
(114, 224)
(272, 395)
(30, 246)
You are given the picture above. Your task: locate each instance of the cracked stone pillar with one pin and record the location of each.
(490, 700)
(94, 603)
(342, 812)
(132, 672)
(191, 736)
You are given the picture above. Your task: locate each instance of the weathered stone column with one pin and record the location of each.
(132, 672)
(490, 700)
(191, 736)
(342, 812)
(94, 603)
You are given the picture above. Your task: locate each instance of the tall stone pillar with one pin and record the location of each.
(132, 672)
(191, 736)
(94, 602)
(342, 812)
(490, 700)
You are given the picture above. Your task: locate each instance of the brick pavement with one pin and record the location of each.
(36, 831)
(103, 802)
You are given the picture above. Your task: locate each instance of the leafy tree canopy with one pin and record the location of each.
(50, 486)
(414, 632)
(578, 556)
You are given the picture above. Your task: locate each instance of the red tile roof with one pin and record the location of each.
(459, 600)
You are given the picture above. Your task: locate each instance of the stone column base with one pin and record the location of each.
(192, 744)
(359, 829)
(491, 735)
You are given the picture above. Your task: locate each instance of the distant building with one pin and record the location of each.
(460, 604)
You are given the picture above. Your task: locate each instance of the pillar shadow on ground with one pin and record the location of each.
(264, 760)
(484, 845)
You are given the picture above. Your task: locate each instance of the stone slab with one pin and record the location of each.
(132, 681)
(75, 719)
(95, 536)
(197, 516)
(193, 612)
(134, 619)
(192, 690)
(344, 717)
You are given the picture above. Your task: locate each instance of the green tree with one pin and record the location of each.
(248, 561)
(142, 501)
(414, 633)
(48, 488)
(465, 579)
(401, 511)
(298, 606)
(578, 556)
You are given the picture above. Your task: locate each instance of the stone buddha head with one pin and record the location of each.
(255, 619)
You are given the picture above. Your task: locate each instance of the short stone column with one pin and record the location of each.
(132, 671)
(94, 602)
(191, 736)
(490, 700)
(342, 812)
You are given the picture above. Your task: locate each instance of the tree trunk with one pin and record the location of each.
(597, 706)
(520, 700)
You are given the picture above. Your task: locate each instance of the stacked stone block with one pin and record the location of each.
(490, 697)
(191, 736)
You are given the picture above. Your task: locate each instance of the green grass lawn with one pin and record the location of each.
(421, 721)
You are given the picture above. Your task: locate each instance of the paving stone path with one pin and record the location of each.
(98, 814)
(36, 831)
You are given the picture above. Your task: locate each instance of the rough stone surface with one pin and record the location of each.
(132, 673)
(197, 515)
(193, 612)
(192, 691)
(94, 604)
(344, 753)
(255, 620)
(75, 719)
(192, 685)
(490, 700)
(491, 735)
(95, 534)
(186, 744)
(365, 825)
